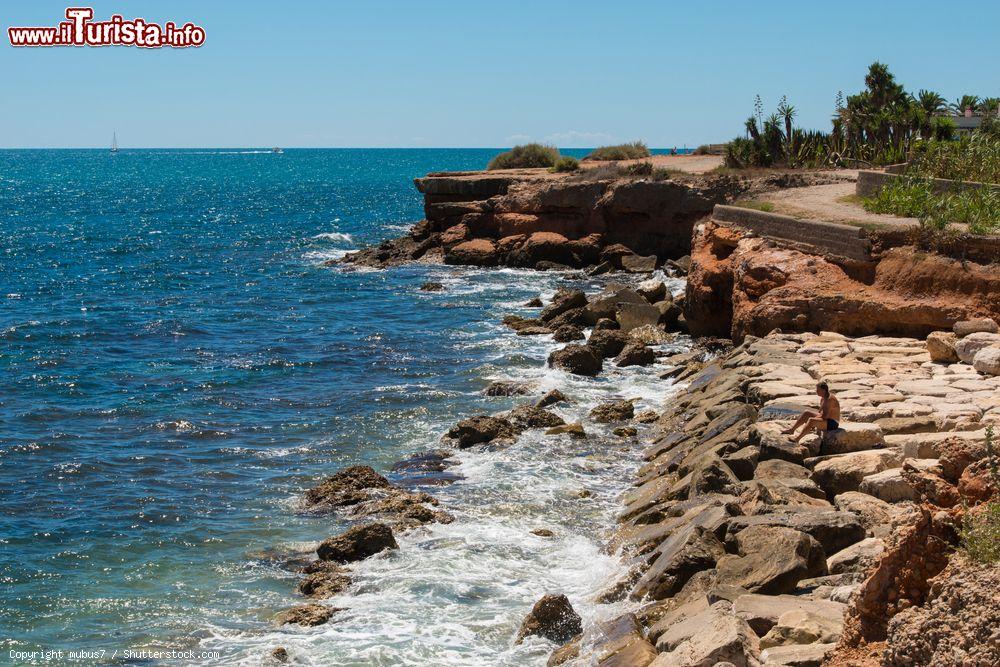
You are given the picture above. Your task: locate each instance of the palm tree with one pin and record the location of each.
(990, 105)
(930, 102)
(787, 112)
(965, 102)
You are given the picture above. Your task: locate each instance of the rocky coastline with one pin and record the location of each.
(741, 547)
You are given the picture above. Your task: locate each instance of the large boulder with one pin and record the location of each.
(552, 617)
(941, 347)
(606, 304)
(324, 579)
(844, 472)
(772, 560)
(635, 354)
(349, 486)
(634, 315)
(688, 550)
(576, 359)
(357, 543)
(480, 429)
(613, 411)
(799, 626)
(763, 611)
(653, 290)
(638, 263)
(563, 300)
(508, 388)
(987, 360)
(477, 252)
(567, 333)
(856, 558)
(981, 325)
(878, 517)
(833, 530)
(714, 636)
(306, 614)
(607, 342)
(968, 347)
(852, 438)
(531, 416)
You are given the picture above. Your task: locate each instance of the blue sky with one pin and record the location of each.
(428, 73)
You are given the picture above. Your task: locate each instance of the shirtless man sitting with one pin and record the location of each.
(827, 419)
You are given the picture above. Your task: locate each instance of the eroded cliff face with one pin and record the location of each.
(534, 219)
(741, 285)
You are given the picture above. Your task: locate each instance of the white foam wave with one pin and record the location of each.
(338, 237)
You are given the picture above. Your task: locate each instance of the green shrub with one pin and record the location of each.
(980, 534)
(912, 197)
(701, 150)
(975, 158)
(526, 156)
(565, 164)
(765, 206)
(639, 169)
(633, 151)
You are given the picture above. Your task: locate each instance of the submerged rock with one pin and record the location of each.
(357, 543)
(480, 429)
(324, 582)
(607, 342)
(349, 486)
(508, 388)
(567, 333)
(576, 359)
(532, 416)
(613, 411)
(635, 354)
(551, 398)
(552, 617)
(574, 430)
(431, 287)
(306, 614)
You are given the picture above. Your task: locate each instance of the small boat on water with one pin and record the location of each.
(114, 142)
(277, 150)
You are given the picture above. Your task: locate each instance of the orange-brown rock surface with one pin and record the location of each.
(746, 285)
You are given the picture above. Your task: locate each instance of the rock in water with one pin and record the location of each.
(607, 342)
(552, 617)
(567, 333)
(531, 416)
(551, 398)
(613, 411)
(635, 354)
(639, 263)
(324, 580)
(563, 301)
(508, 388)
(480, 429)
(357, 543)
(574, 430)
(431, 287)
(306, 614)
(349, 486)
(280, 654)
(577, 359)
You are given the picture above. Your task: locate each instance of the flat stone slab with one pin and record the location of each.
(763, 611)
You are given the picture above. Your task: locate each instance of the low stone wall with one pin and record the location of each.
(870, 182)
(824, 237)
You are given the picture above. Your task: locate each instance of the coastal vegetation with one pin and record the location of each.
(971, 158)
(565, 164)
(526, 156)
(981, 530)
(915, 197)
(633, 151)
(879, 125)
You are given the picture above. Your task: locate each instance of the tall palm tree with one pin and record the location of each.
(930, 101)
(965, 102)
(787, 112)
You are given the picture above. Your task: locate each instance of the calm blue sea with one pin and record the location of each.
(177, 364)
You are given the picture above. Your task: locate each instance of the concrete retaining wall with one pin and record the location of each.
(824, 237)
(870, 182)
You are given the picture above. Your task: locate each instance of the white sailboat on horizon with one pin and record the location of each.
(114, 142)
